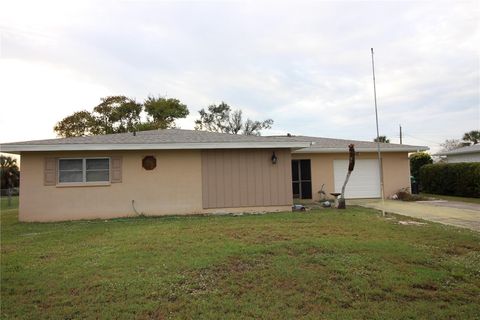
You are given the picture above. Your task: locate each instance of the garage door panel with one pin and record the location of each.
(364, 181)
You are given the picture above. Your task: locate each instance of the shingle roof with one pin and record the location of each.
(155, 139)
(192, 139)
(326, 145)
(464, 150)
(157, 136)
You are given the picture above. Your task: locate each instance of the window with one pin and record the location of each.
(97, 170)
(301, 179)
(83, 170)
(70, 170)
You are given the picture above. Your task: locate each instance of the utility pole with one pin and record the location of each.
(380, 171)
(400, 134)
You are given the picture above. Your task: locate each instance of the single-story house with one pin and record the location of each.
(464, 154)
(173, 171)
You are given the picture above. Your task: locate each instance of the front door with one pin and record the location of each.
(301, 179)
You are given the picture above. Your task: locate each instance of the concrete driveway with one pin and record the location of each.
(460, 214)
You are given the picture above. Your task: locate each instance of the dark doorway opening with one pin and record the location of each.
(301, 179)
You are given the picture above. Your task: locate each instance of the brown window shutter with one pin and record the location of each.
(116, 170)
(50, 172)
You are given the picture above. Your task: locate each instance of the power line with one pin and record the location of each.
(421, 139)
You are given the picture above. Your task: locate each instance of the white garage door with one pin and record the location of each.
(364, 181)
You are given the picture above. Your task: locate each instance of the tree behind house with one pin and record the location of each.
(163, 112)
(80, 123)
(117, 114)
(221, 118)
(472, 136)
(382, 139)
(452, 144)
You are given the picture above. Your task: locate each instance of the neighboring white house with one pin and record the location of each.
(464, 154)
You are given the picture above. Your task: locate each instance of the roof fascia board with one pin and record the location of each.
(345, 150)
(14, 148)
(456, 153)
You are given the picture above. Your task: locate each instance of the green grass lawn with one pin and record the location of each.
(323, 264)
(452, 198)
(4, 203)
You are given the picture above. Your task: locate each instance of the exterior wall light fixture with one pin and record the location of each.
(274, 158)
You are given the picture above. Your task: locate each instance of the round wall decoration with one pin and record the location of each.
(149, 163)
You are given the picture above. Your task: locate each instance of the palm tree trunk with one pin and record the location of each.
(351, 165)
(341, 200)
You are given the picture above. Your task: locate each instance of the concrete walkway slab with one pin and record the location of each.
(458, 214)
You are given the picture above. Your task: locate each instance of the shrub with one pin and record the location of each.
(456, 179)
(417, 160)
(407, 196)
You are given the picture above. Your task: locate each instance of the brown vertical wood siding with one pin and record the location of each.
(246, 178)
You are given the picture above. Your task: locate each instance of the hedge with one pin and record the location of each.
(455, 179)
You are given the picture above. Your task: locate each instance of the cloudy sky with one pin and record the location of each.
(307, 65)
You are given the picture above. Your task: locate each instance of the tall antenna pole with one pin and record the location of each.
(380, 171)
(400, 134)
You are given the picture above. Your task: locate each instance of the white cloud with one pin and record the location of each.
(36, 95)
(304, 64)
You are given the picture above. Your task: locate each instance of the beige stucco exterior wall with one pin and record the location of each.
(173, 187)
(396, 170)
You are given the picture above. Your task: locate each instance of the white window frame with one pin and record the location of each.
(84, 181)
